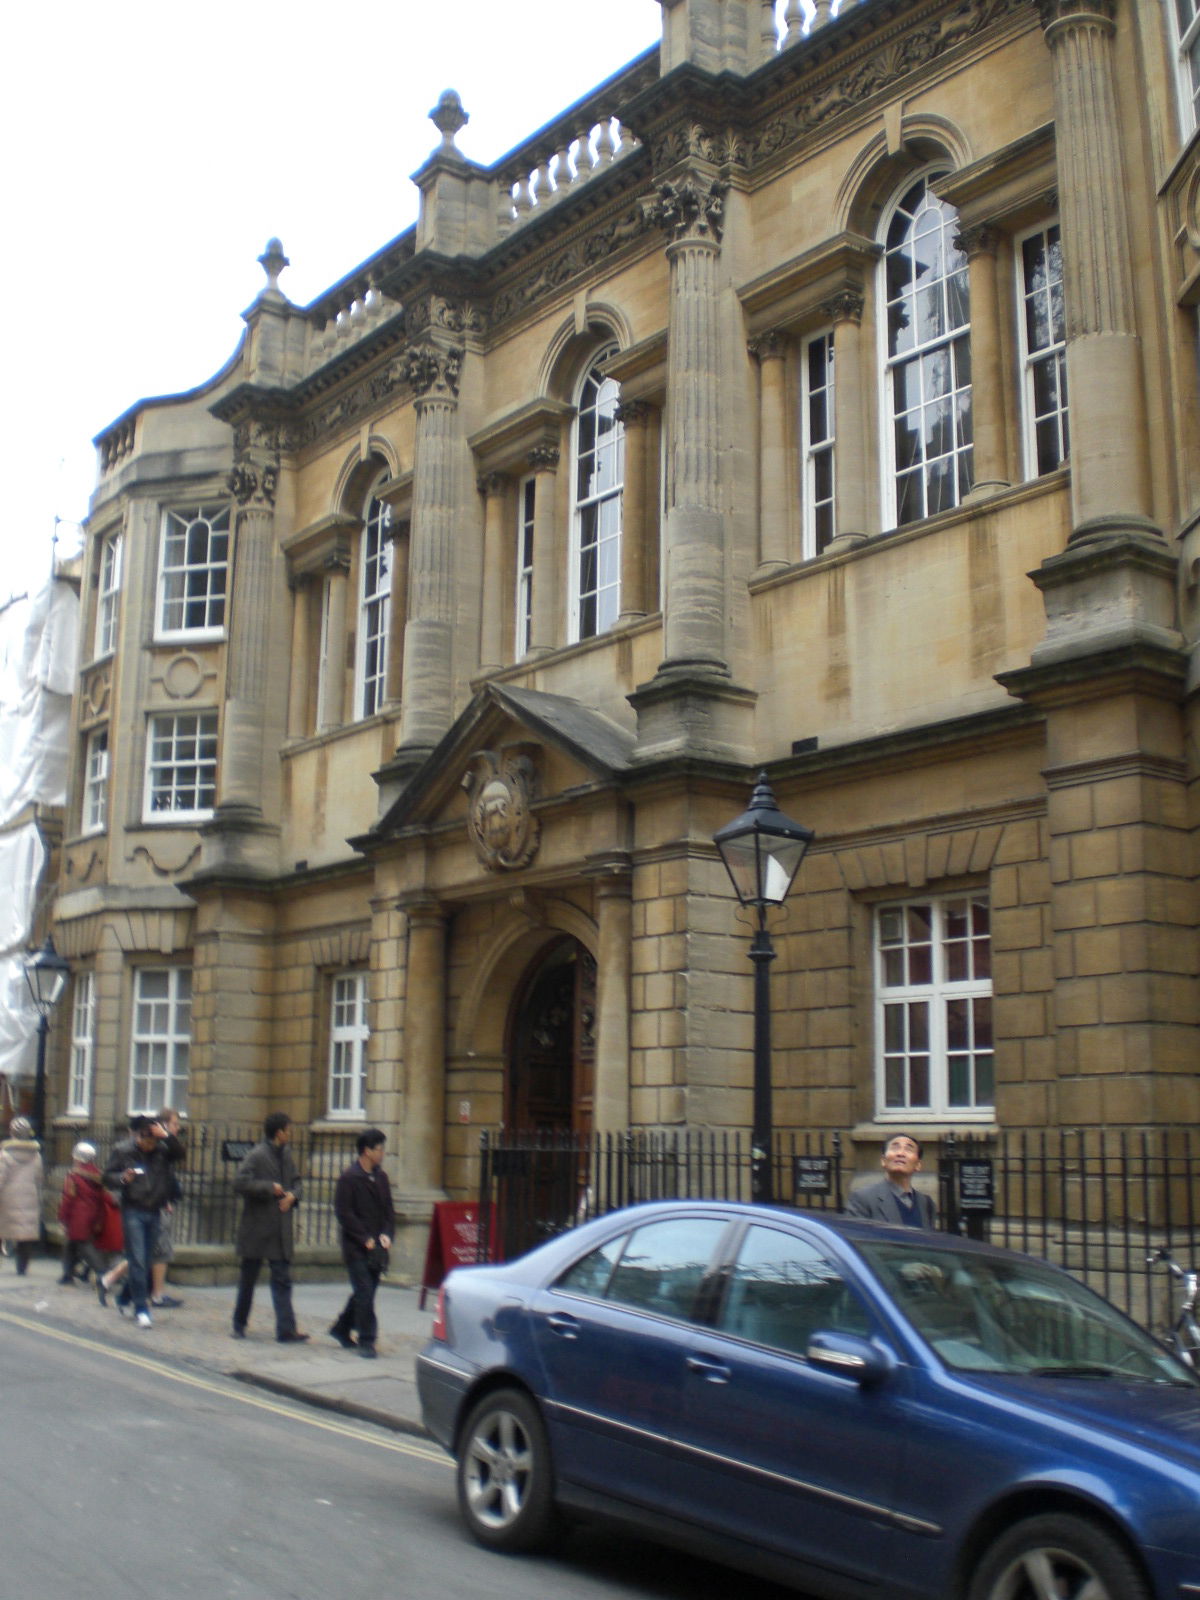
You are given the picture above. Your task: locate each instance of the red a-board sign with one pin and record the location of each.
(453, 1241)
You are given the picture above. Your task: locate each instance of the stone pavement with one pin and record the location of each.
(198, 1334)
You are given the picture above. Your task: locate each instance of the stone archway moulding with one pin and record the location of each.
(532, 924)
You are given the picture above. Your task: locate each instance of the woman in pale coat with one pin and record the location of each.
(21, 1177)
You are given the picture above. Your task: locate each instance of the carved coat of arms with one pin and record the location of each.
(500, 787)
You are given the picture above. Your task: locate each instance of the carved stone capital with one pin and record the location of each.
(982, 239)
(432, 372)
(253, 485)
(544, 458)
(769, 346)
(491, 483)
(844, 306)
(633, 413)
(690, 209)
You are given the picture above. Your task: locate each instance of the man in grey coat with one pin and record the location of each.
(894, 1198)
(270, 1189)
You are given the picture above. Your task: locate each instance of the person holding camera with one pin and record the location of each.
(140, 1172)
(270, 1189)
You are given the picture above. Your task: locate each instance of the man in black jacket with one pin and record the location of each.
(267, 1182)
(141, 1171)
(362, 1203)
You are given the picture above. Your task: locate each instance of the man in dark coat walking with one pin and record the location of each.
(362, 1202)
(270, 1190)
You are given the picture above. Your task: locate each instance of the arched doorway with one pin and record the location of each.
(552, 1056)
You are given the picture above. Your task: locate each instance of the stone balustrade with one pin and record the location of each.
(558, 167)
(341, 321)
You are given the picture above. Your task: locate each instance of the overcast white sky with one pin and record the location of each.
(152, 148)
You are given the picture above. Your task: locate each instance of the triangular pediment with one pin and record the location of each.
(547, 741)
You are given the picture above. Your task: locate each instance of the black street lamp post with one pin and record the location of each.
(46, 974)
(762, 851)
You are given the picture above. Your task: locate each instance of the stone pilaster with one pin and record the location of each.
(546, 631)
(691, 705)
(988, 363)
(302, 651)
(433, 372)
(770, 349)
(1110, 476)
(424, 1115)
(614, 917)
(331, 709)
(635, 417)
(493, 486)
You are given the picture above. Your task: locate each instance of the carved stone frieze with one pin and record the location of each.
(500, 790)
(553, 271)
(439, 311)
(691, 142)
(691, 208)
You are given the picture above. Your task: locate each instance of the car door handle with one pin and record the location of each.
(711, 1371)
(566, 1327)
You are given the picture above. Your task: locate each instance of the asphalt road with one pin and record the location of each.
(123, 1477)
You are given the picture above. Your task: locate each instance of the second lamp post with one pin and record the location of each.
(762, 851)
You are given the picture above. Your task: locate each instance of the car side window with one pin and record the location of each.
(590, 1274)
(664, 1263)
(781, 1291)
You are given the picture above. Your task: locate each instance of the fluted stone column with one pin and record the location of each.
(771, 349)
(614, 909)
(331, 710)
(988, 363)
(851, 469)
(424, 1049)
(634, 416)
(546, 630)
(240, 773)
(691, 212)
(1109, 478)
(428, 636)
(493, 487)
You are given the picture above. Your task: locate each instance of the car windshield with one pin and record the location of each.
(984, 1313)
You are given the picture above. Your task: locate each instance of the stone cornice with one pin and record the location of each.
(799, 292)
(1007, 188)
(504, 445)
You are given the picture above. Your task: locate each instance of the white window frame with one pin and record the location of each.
(817, 442)
(523, 604)
(94, 816)
(890, 365)
(1052, 352)
(595, 592)
(83, 1044)
(943, 995)
(160, 1039)
(181, 764)
(349, 1031)
(375, 558)
(108, 594)
(1185, 44)
(193, 582)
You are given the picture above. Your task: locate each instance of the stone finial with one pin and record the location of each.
(273, 261)
(448, 117)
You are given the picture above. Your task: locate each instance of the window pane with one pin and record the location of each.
(782, 1291)
(662, 1267)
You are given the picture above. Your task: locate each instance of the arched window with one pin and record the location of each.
(927, 357)
(374, 606)
(598, 458)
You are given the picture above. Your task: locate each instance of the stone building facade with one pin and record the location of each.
(819, 401)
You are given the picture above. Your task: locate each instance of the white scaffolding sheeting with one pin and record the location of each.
(37, 675)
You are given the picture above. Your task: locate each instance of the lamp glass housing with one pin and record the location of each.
(762, 849)
(46, 974)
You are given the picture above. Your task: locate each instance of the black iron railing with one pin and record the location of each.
(1093, 1201)
(208, 1209)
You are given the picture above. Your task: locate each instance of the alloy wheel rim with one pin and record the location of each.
(498, 1471)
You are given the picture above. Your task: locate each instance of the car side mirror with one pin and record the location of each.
(862, 1359)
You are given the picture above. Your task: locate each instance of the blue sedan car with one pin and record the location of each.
(854, 1408)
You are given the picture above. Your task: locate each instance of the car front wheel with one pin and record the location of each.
(505, 1478)
(1058, 1555)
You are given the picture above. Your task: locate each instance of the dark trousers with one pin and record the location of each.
(141, 1231)
(281, 1294)
(23, 1252)
(75, 1250)
(358, 1314)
